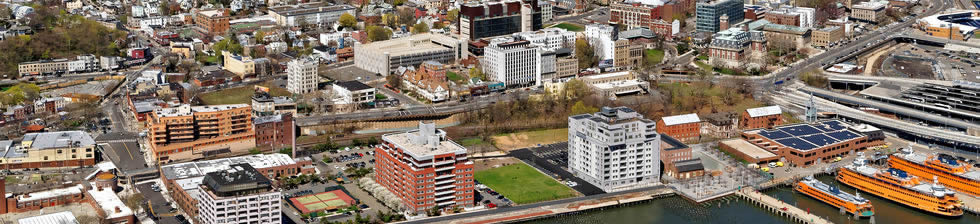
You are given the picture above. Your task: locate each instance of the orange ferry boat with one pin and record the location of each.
(832, 195)
(949, 171)
(898, 186)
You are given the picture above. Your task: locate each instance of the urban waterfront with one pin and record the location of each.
(728, 210)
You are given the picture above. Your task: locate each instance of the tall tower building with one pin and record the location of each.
(302, 76)
(615, 149)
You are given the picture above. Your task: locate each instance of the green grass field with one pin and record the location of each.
(237, 95)
(523, 184)
(655, 56)
(703, 66)
(467, 142)
(454, 77)
(571, 27)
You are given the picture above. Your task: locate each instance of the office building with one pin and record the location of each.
(627, 54)
(786, 37)
(274, 131)
(792, 16)
(48, 150)
(550, 38)
(497, 18)
(302, 76)
(685, 128)
(182, 180)
(645, 13)
(384, 57)
(710, 12)
(310, 14)
(614, 149)
(736, 47)
(425, 169)
(43, 67)
(616, 84)
(808, 144)
(240, 65)
(264, 104)
(185, 132)
(761, 117)
(238, 195)
(353, 93)
(602, 38)
(515, 62)
(869, 12)
(215, 22)
(827, 36)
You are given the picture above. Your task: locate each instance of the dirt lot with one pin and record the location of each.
(526, 139)
(913, 68)
(483, 164)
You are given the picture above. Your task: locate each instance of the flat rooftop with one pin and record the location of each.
(804, 136)
(748, 149)
(61, 139)
(200, 168)
(186, 110)
(422, 145)
(414, 44)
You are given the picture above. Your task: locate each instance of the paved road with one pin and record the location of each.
(530, 206)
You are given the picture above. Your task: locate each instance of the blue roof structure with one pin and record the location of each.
(810, 136)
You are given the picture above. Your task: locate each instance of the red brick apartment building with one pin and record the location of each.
(761, 117)
(646, 13)
(425, 169)
(807, 144)
(215, 22)
(685, 128)
(185, 133)
(274, 131)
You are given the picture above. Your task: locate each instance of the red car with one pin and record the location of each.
(491, 205)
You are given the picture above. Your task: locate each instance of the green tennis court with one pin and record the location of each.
(323, 201)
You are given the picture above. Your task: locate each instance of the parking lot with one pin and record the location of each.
(552, 159)
(489, 198)
(348, 157)
(157, 204)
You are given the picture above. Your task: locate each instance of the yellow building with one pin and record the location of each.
(238, 64)
(827, 36)
(48, 149)
(183, 51)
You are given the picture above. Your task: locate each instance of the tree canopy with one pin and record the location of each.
(377, 33)
(420, 28)
(348, 21)
(585, 54)
(59, 35)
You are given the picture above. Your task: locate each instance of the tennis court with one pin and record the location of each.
(322, 202)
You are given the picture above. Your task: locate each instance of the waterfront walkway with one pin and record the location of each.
(779, 207)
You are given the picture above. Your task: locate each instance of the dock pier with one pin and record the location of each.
(779, 208)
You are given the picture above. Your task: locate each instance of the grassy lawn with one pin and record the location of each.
(467, 142)
(379, 96)
(454, 77)
(571, 27)
(519, 140)
(703, 57)
(237, 95)
(655, 56)
(522, 184)
(703, 66)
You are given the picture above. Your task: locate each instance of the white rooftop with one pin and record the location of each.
(764, 111)
(681, 119)
(53, 193)
(187, 110)
(424, 143)
(108, 201)
(199, 168)
(64, 217)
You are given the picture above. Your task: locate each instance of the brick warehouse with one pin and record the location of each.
(685, 128)
(425, 169)
(761, 117)
(808, 144)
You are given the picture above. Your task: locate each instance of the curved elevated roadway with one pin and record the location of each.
(904, 111)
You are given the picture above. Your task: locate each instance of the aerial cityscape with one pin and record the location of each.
(489, 111)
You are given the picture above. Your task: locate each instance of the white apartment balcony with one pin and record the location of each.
(445, 187)
(445, 176)
(438, 192)
(450, 197)
(445, 162)
(446, 182)
(446, 203)
(446, 168)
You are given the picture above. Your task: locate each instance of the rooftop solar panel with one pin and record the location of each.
(796, 143)
(828, 126)
(800, 130)
(774, 134)
(842, 135)
(819, 139)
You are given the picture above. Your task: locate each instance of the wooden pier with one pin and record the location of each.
(779, 207)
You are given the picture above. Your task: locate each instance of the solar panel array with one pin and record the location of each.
(810, 136)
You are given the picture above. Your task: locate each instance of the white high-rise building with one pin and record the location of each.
(615, 149)
(515, 62)
(239, 195)
(550, 38)
(603, 40)
(302, 76)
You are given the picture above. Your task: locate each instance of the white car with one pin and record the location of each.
(772, 164)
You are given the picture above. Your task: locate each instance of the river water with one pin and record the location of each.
(679, 210)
